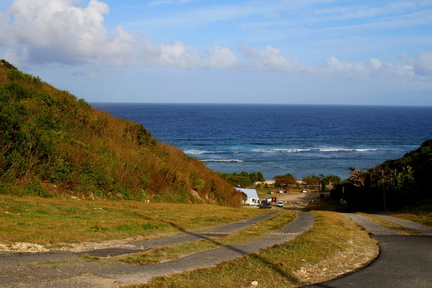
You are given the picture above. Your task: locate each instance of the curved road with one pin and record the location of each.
(404, 261)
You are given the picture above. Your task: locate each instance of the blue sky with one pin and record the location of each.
(196, 51)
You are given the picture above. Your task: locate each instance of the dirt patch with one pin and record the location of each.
(344, 262)
(72, 247)
(23, 247)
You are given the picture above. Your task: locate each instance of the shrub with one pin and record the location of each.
(36, 190)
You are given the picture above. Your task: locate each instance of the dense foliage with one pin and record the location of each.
(321, 181)
(392, 185)
(54, 144)
(242, 179)
(286, 180)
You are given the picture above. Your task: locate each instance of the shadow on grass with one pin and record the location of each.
(190, 236)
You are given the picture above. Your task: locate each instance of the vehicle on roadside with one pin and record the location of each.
(265, 205)
(280, 204)
(304, 191)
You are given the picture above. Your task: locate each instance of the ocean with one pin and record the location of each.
(277, 139)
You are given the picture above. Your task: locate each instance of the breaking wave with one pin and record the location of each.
(284, 150)
(200, 152)
(222, 160)
(347, 149)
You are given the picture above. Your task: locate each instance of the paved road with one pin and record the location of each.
(66, 269)
(404, 261)
(302, 223)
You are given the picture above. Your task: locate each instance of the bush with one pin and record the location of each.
(36, 190)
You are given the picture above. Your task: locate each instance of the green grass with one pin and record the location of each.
(50, 221)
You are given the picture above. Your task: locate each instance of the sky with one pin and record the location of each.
(247, 51)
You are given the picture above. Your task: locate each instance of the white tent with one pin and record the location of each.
(251, 196)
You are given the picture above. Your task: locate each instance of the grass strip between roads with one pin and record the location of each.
(335, 245)
(250, 233)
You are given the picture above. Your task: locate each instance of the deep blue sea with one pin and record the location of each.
(279, 139)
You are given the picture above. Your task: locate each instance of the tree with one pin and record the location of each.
(311, 179)
(330, 179)
(398, 184)
(333, 179)
(358, 177)
(242, 179)
(284, 180)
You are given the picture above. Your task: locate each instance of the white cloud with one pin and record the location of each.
(178, 55)
(56, 31)
(59, 31)
(372, 68)
(271, 59)
(56, 27)
(221, 58)
(423, 64)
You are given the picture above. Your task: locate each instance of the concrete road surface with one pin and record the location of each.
(404, 261)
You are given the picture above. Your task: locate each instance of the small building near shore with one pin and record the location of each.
(251, 196)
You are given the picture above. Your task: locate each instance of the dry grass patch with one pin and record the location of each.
(56, 223)
(390, 225)
(334, 246)
(421, 214)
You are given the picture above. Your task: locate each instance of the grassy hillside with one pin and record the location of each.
(53, 144)
(392, 185)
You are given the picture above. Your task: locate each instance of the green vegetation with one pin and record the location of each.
(52, 221)
(242, 179)
(321, 180)
(393, 185)
(286, 180)
(53, 144)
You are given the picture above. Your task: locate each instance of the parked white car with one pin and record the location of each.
(280, 204)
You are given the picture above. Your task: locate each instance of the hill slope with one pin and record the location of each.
(393, 184)
(54, 144)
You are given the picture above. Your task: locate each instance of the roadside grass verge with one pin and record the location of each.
(421, 214)
(56, 223)
(390, 225)
(335, 245)
(157, 255)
